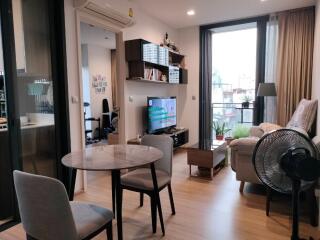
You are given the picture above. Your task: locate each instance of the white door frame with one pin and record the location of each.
(85, 17)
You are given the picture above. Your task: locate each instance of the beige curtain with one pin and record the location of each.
(295, 54)
(114, 78)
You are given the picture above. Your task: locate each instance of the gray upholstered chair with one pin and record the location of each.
(140, 180)
(47, 214)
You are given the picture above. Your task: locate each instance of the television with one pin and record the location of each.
(162, 113)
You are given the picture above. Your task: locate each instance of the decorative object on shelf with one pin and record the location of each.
(246, 101)
(240, 131)
(220, 130)
(99, 83)
(168, 43)
(130, 12)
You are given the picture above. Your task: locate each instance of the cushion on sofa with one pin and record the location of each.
(304, 115)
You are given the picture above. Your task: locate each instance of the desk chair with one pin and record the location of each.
(47, 214)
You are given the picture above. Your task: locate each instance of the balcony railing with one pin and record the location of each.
(232, 114)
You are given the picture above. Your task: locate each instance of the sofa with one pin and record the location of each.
(242, 149)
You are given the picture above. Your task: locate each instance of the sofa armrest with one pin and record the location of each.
(241, 159)
(244, 144)
(240, 147)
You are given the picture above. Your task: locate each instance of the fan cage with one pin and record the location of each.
(267, 155)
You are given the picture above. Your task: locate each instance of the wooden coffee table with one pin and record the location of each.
(209, 159)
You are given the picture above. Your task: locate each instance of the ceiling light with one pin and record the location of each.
(263, 0)
(191, 12)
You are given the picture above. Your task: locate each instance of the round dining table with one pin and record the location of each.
(114, 158)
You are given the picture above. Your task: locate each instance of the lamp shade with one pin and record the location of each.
(266, 90)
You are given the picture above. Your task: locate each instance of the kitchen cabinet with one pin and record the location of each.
(18, 34)
(32, 40)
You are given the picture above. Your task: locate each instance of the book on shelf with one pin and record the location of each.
(153, 74)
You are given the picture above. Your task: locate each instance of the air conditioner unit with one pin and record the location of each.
(104, 12)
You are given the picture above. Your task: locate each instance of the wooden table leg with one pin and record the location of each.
(72, 183)
(118, 198)
(157, 196)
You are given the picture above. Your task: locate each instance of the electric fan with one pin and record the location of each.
(286, 160)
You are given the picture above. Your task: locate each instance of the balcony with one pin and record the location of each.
(232, 114)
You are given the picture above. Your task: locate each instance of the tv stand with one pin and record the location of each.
(180, 137)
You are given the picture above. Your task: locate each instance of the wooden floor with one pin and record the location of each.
(205, 210)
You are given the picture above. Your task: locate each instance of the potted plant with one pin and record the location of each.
(220, 130)
(246, 101)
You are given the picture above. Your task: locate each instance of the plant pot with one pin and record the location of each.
(229, 140)
(245, 105)
(219, 137)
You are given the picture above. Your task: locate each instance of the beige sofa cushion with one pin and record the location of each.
(304, 115)
(268, 127)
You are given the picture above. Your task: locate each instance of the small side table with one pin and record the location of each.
(210, 158)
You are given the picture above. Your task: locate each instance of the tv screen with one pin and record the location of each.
(162, 113)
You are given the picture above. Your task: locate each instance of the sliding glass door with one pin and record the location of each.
(232, 65)
(234, 56)
(6, 190)
(35, 86)
(34, 123)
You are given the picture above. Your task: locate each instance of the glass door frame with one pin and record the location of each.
(261, 21)
(60, 93)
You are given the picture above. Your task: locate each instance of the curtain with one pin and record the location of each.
(114, 78)
(205, 108)
(295, 52)
(270, 103)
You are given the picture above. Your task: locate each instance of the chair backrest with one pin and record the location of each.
(44, 207)
(165, 144)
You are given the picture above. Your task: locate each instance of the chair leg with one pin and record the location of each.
(113, 196)
(109, 231)
(153, 213)
(30, 238)
(141, 199)
(268, 200)
(241, 187)
(157, 197)
(173, 210)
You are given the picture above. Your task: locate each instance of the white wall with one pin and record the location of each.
(151, 30)
(99, 60)
(189, 107)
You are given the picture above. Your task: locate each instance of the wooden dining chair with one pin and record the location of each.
(140, 180)
(47, 214)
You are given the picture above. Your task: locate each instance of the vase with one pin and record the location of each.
(245, 105)
(219, 137)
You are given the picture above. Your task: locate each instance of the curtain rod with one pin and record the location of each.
(295, 10)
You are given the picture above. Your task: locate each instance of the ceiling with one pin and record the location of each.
(97, 36)
(174, 12)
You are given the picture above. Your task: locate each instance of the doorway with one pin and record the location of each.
(234, 57)
(99, 85)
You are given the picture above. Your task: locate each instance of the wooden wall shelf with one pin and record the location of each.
(151, 81)
(148, 62)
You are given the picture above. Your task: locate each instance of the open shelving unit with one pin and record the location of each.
(152, 63)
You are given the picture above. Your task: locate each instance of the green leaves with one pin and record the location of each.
(219, 128)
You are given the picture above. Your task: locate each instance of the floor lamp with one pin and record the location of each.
(267, 90)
